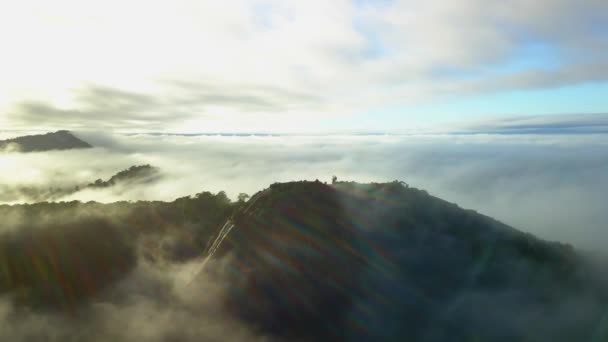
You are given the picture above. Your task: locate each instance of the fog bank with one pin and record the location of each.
(551, 185)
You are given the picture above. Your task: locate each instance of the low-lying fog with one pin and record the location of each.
(551, 185)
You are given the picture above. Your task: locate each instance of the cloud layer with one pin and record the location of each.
(550, 185)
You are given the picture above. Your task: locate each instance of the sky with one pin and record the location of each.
(297, 66)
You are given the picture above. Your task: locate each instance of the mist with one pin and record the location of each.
(80, 273)
(550, 185)
(151, 304)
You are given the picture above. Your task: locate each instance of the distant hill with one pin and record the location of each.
(134, 174)
(60, 140)
(137, 175)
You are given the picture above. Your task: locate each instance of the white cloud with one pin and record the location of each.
(551, 185)
(310, 59)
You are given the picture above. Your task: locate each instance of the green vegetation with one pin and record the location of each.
(313, 261)
(61, 254)
(410, 265)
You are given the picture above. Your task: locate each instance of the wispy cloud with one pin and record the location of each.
(543, 124)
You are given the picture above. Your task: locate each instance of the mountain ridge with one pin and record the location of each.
(410, 265)
(308, 261)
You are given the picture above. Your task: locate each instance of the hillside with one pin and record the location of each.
(60, 140)
(299, 261)
(368, 262)
(61, 256)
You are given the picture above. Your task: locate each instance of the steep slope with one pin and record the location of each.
(60, 140)
(388, 262)
(292, 245)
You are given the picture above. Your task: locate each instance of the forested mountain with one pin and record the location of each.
(60, 140)
(303, 261)
(368, 262)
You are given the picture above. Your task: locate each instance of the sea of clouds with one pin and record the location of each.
(548, 184)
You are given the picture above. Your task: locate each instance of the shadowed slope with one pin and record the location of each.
(58, 265)
(385, 261)
(292, 246)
